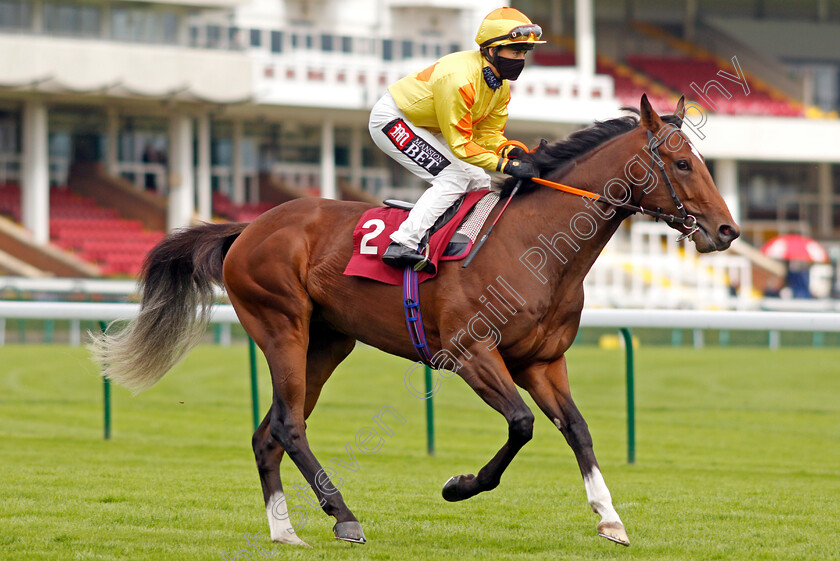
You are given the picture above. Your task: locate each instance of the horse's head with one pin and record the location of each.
(692, 183)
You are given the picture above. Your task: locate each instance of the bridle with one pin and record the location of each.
(689, 221)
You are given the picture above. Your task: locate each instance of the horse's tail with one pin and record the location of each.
(177, 294)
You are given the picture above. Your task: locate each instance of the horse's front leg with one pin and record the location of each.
(548, 384)
(488, 376)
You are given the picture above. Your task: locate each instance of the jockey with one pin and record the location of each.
(446, 124)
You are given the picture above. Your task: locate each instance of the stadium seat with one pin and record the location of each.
(679, 72)
(245, 212)
(93, 233)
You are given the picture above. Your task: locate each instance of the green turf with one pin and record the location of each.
(738, 458)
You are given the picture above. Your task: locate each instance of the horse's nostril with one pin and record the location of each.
(728, 233)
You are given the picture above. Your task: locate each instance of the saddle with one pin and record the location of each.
(458, 244)
(450, 238)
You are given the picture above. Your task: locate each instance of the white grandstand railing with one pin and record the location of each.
(376, 181)
(10, 168)
(641, 280)
(650, 269)
(138, 172)
(342, 82)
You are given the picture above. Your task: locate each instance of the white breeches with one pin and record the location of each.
(427, 156)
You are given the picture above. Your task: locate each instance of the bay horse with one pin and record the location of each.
(283, 275)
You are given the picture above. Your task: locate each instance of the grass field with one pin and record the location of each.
(738, 458)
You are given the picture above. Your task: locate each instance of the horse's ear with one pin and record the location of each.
(650, 119)
(680, 112)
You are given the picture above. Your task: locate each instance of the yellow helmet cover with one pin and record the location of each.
(507, 26)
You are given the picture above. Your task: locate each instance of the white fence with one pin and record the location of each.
(773, 322)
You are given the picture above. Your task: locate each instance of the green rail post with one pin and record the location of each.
(255, 398)
(106, 395)
(49, 328)
(430, 415)
(631, 405)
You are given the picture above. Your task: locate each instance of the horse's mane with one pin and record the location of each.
(550, 157)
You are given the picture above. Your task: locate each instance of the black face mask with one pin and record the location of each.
(509, 68)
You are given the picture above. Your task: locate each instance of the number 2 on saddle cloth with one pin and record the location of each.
(373, 230)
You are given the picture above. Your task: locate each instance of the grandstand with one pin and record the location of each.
(96, 234)
(119, 121)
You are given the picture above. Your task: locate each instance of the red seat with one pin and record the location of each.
(679, 73)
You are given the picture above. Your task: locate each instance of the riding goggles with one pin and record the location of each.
(521, 34)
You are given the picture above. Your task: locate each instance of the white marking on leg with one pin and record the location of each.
(278, 520)
(599, 496)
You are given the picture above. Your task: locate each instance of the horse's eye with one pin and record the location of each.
(683, 165)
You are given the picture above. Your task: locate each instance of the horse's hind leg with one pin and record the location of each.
(548, 384)
(268, 454)
(326, 350)
(286, 353)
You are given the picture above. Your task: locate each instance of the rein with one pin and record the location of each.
(685, 219)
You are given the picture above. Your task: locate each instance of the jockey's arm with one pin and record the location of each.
(453, 102)
(489, 133)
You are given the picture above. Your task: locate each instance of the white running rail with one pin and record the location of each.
(630, 318)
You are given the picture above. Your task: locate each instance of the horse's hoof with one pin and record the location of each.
(450, 488)
(350, 531)
(613, 531)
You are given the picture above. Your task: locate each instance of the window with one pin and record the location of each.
(214, 35)
(347, 44)
(301, 41)
(120, 24)
(387, 49)
(89, 18)
(144, 25)
(276, 41)
(407, 49)
(327, 43)
(256, 38)
(15, 14)
(64, 18)
(8, 133)
(170, 28)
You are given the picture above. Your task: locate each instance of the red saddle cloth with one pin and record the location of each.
(373, 234)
